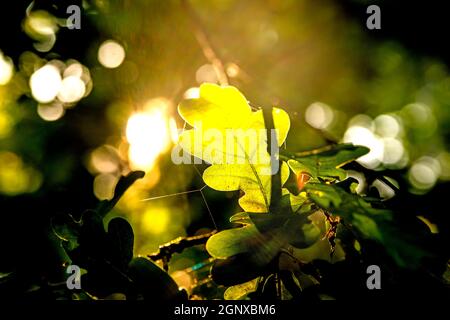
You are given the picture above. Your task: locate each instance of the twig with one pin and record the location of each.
(205, 43)
(331, 233)
(166, 251)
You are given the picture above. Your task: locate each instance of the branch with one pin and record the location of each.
(177, 245)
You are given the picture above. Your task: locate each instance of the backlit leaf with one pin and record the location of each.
(232, 138)
(370, 223)
(239, 291)
(326, 163)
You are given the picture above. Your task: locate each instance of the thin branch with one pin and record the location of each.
(203, 40)
(177, 245)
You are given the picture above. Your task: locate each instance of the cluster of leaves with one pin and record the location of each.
(288, 234)
(109, 270)
(304, 231)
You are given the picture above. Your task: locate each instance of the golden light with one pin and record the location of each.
(417, 114)
(393, 151)
(41, 22)
(364, 137)
(111, 54)
(174, 134)
(148, 134)
(42, 27)
(6, 124)
(155, 220)
(105, 159)
(362, 120)
(6, 69)
(232, 70)
(45, 83)
(192, 93)
(387, 126)
(15, 176)
(206, 73)
(143, 127)
(74, 69)
(143, 156)
(184, 280)
(381, 136)
(444, 162)
(104, 185)
(424, 173)
(319, 115)
(51, 112)
(72, 89)
(267, 37)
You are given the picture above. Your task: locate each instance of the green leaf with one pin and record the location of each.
(242, 218)
(231, 242)
(263, 236)
(294, 229)
(238, 269)
(4, 275)
(240, 291)
(301, 232)
(67, 230)
(251, 179)
(338, 201)
(325, 196)
(369, 222)
(153, 282)
(216, 107)
(121, 240)
(297, 203)
(232, 138)
(326, 163)
(124, 183)
(58, 249)
(93, 238)
(225, 107)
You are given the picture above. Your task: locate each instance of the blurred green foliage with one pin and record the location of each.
(62, 156)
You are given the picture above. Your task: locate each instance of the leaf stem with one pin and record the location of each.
(275, 186)
(166, 251)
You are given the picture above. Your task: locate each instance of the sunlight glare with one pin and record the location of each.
(424, 173)
(51, 112)
(206, 73)
(319, 115)
(156, 220)
(72, 89)
(387, 126)
(104, 185)
(111, 54)
(393, 151)
(148, 135)
(45, 83)
(6, 69)
(365, 137)
(192, 93)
